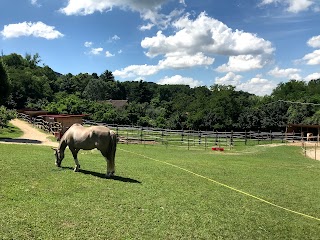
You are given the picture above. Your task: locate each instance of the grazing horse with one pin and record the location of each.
(79, 137)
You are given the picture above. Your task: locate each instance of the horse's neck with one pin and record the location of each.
(62, 144)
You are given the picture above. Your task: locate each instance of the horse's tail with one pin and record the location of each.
(113, 144)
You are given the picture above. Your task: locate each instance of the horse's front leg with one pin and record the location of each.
(75, 158)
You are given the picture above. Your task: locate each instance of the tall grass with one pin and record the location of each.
(150, 199)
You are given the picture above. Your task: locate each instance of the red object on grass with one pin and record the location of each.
(217, 149)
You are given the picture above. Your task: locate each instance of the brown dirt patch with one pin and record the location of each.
(31, 135)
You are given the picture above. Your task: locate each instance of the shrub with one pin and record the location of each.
(6, 115)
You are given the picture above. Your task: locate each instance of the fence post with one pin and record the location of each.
(245, 137)
(217, 139)
(117, 129)
(127, 137)
(231, 139)
(182, 135)
(162, 136)
(205, 143)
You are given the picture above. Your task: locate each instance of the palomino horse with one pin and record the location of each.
(309, 136)
(78, 137)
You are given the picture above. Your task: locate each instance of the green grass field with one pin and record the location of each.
(159, 193)
(10, 132)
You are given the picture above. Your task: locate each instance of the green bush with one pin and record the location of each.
(6, 115)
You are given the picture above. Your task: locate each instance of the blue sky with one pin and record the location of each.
(251, 44)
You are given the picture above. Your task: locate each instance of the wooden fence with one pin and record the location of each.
(51, 127)
(186, 138)
(190, 138)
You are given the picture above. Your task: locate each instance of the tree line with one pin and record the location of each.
(26, 84)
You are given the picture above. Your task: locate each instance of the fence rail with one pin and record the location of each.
(129, 134)
(190, 138)
(51, 127)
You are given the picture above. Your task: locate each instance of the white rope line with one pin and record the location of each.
(226, 186)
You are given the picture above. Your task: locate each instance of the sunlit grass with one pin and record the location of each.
(150, 199)
(10, 131)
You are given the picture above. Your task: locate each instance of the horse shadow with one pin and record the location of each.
(103, 176)
(20, 140)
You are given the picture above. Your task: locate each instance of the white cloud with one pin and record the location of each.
(312, 76)
(108, 54)
(147, 9)
(96, 51)
(258, 86)
(115, 37)
(88, 44)
(293, 6)
(289, 73)
(178, 79)
(194, 43)
(229, 79)
(86, 7)
(242, 63)
(27, 29)
(314, 42)
(35, 3)
(206, 36)
(184, 61)
(312, 58)
(136, 70)
(146, 27)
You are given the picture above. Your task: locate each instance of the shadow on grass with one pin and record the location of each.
(19, 140)
(103, 175)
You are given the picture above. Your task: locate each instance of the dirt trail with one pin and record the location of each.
(31, 135)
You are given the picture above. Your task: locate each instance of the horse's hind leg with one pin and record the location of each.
(110, 165)
(75, 158)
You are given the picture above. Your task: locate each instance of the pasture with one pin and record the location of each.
(160, 193)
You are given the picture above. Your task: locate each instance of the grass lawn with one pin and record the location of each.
(10, 131)
(151, 198)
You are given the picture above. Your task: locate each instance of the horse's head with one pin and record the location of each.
(59, 156)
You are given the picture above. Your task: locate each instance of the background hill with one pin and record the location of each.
(24, 83)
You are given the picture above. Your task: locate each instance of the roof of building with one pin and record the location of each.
(64, 115)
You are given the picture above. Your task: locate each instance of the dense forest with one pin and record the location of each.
(26, 84)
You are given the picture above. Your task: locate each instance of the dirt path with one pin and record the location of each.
(31, 135)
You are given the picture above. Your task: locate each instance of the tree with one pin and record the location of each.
(4, 84)
(107, 76)
(95, 90)
(292, 90)
(32, 61)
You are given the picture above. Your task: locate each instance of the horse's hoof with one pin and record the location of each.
(109, 175)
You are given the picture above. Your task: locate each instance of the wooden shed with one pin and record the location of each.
(32, 113)
(66, 121)
(302, 130)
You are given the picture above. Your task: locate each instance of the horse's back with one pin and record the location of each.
(89, 137)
